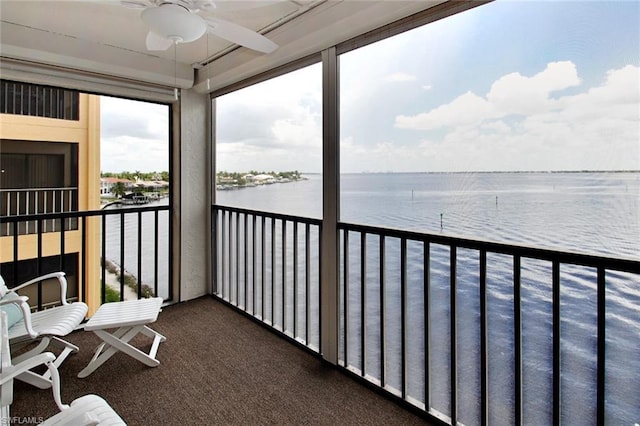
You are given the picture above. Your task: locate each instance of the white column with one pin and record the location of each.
(192, 213)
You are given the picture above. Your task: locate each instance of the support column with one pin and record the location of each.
(329, 289)
(193, 201)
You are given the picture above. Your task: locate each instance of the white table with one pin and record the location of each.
(129, 318)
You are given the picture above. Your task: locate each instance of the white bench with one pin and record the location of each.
(129, 318)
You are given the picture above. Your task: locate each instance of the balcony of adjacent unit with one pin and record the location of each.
(38, 178)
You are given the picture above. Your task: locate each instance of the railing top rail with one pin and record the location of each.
(525, 251)
(75, 214)
(64, 188)
(311, 221)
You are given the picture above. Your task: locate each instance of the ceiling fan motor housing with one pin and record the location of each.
(174, 22)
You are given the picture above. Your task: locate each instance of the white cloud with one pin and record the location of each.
(516, 94)
(134, 135)
(465, 109)
(509, 95)
(520, 125)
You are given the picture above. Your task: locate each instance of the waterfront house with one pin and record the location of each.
(99, 47)
(107, 184)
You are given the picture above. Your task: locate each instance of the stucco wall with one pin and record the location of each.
(195, 205)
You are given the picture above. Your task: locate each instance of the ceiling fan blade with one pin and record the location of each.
(134, 4)
(240, 35)
(156, 42)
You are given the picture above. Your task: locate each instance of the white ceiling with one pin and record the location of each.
(103, 36)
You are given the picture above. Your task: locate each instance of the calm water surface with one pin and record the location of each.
(594, 213)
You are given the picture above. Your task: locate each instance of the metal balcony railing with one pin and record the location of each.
(33, 201)
(133, 245)
(476, 332)
(465, 331)
(268, 265)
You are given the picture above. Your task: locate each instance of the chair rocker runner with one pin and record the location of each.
(86, 410)
(45, 327)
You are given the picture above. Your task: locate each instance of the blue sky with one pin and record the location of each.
(506, 86)
(510, 85)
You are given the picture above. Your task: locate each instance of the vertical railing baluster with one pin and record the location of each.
(284, 275)
(295, 279)
(237, 260)
(139, 290)
(273, 272)
(8, 213)
(83, 237)
(70, 207)
(254, 265)
(103, 293)
(18, 207)
(601, 347)
(345, 295)
(363, 303)
(44, 204)
(263, 243)
(426, 261)
(15, 252)
(61, 264)
(403, 314)
(156, 253)
(39, 262)
(215, 252)
(517, 339)
(223, 250)
(484, 348)
(246, 253)
(383, 309)
(319, 294)
(307, 280)
(122, 273)
(26, 208)
(557, 383)
(453, 263)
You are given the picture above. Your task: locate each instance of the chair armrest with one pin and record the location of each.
(21, 301)
(10, 372)
(61, 280)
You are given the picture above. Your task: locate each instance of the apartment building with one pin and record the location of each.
(50, 163)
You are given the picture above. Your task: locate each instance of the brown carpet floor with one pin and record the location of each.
(216, 368)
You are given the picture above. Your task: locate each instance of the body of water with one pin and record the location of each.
(149, 243)
(594, 213)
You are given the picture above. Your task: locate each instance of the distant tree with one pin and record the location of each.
(118, 189)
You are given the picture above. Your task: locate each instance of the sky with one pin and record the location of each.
(511, 85)
(134, 136)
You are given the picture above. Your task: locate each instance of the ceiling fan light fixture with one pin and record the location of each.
(174, 23)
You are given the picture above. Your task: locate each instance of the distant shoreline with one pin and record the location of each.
(489, 172)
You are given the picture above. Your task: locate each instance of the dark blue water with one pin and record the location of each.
(595, 213)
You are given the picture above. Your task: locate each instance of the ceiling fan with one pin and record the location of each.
(178, 21)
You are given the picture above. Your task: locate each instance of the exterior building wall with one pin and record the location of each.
(85, 133)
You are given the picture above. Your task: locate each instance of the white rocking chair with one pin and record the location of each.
(86, 410)
(46, 326)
